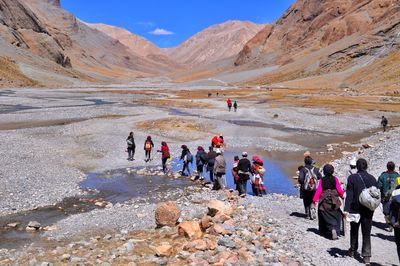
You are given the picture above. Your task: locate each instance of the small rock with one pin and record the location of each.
(190, 229)
(13, 225)
(65, 257)
(163, 251)
(107, 237)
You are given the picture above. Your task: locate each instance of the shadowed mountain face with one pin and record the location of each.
(214, 43)
(316, 37)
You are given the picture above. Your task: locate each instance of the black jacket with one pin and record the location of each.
(354, 188)
(133, 145)
(244, 165)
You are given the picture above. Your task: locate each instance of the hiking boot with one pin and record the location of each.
(334, 234)
(367, 260)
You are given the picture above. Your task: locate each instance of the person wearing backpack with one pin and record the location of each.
(187, 158)
(165, 155)
(229, 103)
(211, 155)
(308, 179)
(386, 184)
(201, 160)
(356, 184)
(131, 146)
(244, 171)
(219, 170)
(328, 195)
(148, 146)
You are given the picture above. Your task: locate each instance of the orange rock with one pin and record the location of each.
(163, 250)
(190, 229)
(167, 213)
(215, 206)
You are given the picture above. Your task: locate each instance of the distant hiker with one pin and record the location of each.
(218, 141)
(308, 179)
(209, 94)
(201, 160)
(356, 183)
(211, 155)
(353, 167)
(215, 141)
(219, 170)
(244, 171)
(258, 172)
(234, 172)
(187, 158)
(235, 106)
(229, 103)
(395, 215)
(165, 155)
(148, 146)
(328, 195)
(386, 184)
(384, 123)
(131, 146)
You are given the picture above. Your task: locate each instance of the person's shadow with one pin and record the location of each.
(343, 253)
(298, 214)
(384, 237)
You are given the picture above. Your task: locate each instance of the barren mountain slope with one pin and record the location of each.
(214, 43)
(324, 36)
(137, 45)
(42, 38)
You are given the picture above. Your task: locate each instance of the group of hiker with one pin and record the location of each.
(230, 105)
(213, 162)
(322, 192)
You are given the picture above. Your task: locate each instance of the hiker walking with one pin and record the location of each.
(165, 155)
(229, 103)
(244, 171)
(187, 158)
(201, 160)
(328, 195)
(131, 146)
(308, 179)
(211, 155)
(386, 185)
(148, 146)
(257, 181)
(355, 185)
(235, 106)
(384, 123)
(395, 214)
(219, 170)
(234, 172)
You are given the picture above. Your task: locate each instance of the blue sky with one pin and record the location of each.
(167, 23)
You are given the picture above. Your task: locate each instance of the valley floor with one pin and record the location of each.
(51, 139)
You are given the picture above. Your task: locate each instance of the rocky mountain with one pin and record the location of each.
(214, 43)
(317, 37)
(39, 37)
(138, 45)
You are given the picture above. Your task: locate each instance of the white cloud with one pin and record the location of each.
(160, 31)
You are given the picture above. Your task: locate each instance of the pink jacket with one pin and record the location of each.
(319, 190)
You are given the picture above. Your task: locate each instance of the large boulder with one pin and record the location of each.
(167, 214)
(190, 229)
